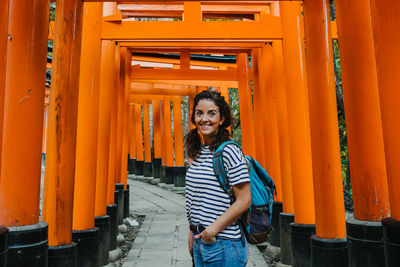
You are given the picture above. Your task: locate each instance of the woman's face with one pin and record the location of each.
(207, 119)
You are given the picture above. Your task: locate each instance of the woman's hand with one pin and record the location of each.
(208, 235)
(190, 243)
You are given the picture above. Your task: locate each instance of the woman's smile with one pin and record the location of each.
(207, 119)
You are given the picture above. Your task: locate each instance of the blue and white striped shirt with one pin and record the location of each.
(205, 199)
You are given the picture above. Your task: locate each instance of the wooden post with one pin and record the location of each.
(246, 106)
(61, 146)
(22, 100)
(157, 139)
(386, 23)
(282, 118)
(139, 133)
(125, 130)
(327, 171)
(104, 187)
(298, 114)
(132, 139)
(112, 161)
(299, 132)
(363, 116)
(259, 104)
(88, 108)
(178, 137)
(147, 167)
(3, 60)
(168, 146)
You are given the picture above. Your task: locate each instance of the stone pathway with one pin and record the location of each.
(162, 238)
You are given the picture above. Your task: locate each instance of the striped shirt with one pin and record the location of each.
(205, 199)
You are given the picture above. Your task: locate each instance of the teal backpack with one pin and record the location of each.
(255, 223)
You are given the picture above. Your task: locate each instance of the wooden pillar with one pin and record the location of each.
(125, 129)
(178, 136)
(146, 133)
(386, 23)
(328, 183)
(298, 114)
(22, 97)
(268, 93)
(282, 117)
(132, 131)
(45, 120)
(259, 104)
(60, 156)
(105, 188)
(157, 129)
(363, 116)
(162, 126)
(112, 161)
(3, 61)
(169, 155)
(139, 133)
(87, 127)
(246, 106)
(120, 114)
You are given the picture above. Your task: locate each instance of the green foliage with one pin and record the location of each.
(234, 103)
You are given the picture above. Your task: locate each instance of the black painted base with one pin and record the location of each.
(126, 202)
(156, 168)
(112, 211)
(87, 242)
(329, 252)
(364, 240)
(3, 245)
(274, 234)
(28, 245)
(301, 243)
(391, 241)
(163, 173)
(131, 166)
(285, 219)
(120, 202)
(179, 176)
(63, 256)
(169, 175)
(139, 167)
(103, 223)
(148, 169)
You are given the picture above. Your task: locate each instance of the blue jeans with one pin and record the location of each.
(220, 253)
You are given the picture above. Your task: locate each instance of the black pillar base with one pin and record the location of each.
(126, 202)
(112, 211)
(274, 234)
(163, 173)
(156, 168)
(301, 243)
(63, 256)
(329, 252)
(285, 219)
(119, 200)
(3, 245)
(391, 241)
(139, 167)
(169, 175)
(87, 242)
(179, 176)
(148, 169)
(28, 245)
(131, 166)
(103, 223)
(364, 239)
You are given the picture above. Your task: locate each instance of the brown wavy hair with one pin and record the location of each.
(193, 140)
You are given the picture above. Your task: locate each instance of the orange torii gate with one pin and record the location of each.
(305, 118)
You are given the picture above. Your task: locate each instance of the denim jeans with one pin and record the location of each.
(220, 253)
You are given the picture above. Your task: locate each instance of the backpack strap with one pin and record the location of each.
(222, 178)
(219, 170)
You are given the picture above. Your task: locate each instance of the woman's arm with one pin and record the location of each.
(231, 215)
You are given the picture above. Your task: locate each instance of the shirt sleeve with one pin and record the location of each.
(235, 165)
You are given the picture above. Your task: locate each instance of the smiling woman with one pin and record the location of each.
(215, 238)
